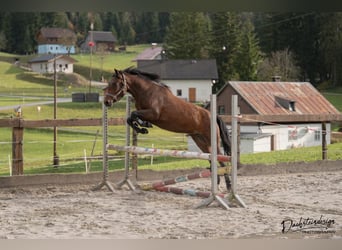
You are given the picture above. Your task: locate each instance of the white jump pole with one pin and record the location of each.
(213, 160)
(234, 146)
(167, 152)
(126, 179)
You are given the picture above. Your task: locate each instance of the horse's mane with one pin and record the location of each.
(146, 75)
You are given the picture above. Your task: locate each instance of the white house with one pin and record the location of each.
(188, 79)
(46, 64)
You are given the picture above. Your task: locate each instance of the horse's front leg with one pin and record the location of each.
(138, 123)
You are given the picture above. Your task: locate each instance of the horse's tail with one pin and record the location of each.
(224, 134)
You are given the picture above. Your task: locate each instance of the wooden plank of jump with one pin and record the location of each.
(21, 123)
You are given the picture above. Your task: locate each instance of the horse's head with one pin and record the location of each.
(116, 89)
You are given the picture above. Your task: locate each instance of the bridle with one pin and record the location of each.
(122, 91)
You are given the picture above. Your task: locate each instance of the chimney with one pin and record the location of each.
(154, 45)
(276, 78)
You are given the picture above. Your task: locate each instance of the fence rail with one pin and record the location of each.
(18, 125)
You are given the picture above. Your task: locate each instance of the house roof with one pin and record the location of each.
(56, 33)
(268, 98)
(180, 69)
(50, 58)
(102, 36)
(149, 53)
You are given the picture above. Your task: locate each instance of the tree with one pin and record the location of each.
(187, 36)
(279, 63)
(225, 44)
(147, 28)
(249, 54)
(3, 40)
(126, 30)
(330, 38)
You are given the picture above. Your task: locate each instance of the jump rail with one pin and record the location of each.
(166, 152)
(191, 192)
(202, 174)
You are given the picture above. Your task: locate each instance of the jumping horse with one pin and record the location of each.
(157, 105)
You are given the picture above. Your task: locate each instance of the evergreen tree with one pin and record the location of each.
(225, 45)
(331, 47)
(126, 30)
(147, 27)
(187, 36)
(249, 54)
(3, 40)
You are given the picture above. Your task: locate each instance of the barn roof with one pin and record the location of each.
(102, 36)
(272, 98)
(57, 33)
(180, 69)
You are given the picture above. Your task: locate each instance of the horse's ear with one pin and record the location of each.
(118, 73)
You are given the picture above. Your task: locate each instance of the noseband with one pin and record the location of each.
(122, 90)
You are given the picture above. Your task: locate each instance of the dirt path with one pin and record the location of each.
(74, 211)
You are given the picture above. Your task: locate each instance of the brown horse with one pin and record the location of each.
(155, 104)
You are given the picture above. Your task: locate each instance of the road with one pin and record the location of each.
(46, 101)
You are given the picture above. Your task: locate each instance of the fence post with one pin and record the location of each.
(324, 141)
(17, 150)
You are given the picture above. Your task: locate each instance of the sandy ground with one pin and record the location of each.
(76, 212)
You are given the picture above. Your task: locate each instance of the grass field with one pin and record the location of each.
(19, 86)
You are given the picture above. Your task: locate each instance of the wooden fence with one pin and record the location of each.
(18, 125)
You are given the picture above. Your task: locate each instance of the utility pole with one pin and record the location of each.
(91, 45)
(55, 156)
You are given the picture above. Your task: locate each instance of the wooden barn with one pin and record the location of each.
(101, 41)
(296, 109)
(56, 41)
(188, 79)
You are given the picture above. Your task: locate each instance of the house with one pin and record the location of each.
(46, 64)
(101, 41)
(188, 79)
(277, 98)
(56, 41)
(154, 52)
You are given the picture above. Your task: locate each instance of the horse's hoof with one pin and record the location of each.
(143, 131)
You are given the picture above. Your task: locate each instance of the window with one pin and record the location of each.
(221, 110)
(179, 92)
(317, 135)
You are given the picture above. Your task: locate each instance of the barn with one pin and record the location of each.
(292, 99)
(101, 41)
